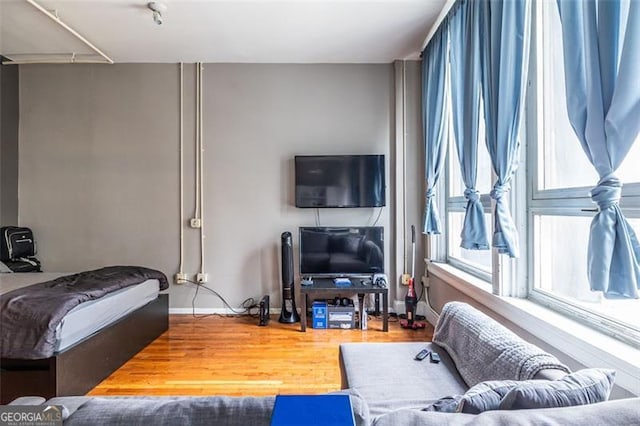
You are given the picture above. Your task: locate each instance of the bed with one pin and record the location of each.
(92, 340)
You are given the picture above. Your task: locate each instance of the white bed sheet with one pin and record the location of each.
(92, 316)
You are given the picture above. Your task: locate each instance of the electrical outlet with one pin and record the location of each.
(405, 279)
(181, 278)
(425, 281)
(196, 222)
(202, 278)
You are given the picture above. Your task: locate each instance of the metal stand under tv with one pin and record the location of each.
(324, 287)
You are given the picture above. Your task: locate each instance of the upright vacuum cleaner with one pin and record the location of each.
(411, 300)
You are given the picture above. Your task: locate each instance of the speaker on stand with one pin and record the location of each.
(289, 313)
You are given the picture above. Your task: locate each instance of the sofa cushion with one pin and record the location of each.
(28, 400)
(169, 411)
(485, 396)
(388, 377)
(611, 413)
(583, 387)
(359, 406)
(447, 404)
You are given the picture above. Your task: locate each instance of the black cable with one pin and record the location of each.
(422, 292)
(378, 217)
(250, 304)
(193, 301)
(246, 305)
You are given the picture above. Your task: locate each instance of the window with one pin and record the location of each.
(560, 208)
(476, 262)
(556, 213)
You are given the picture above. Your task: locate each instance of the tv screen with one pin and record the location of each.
(341, 251)
(340, 181)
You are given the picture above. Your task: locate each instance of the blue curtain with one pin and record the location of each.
(505, 35)
(465, 106)
(602, 73)
(434, 124)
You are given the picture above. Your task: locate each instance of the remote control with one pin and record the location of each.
(435, 358)
(422, 354)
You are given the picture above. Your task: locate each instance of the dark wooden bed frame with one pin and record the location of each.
(78, 369)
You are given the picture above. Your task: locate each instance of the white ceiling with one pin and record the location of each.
(267, 31)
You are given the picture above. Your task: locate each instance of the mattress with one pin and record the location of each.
(92, 316)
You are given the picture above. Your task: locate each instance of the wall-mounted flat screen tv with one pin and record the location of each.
(339, 181)
(341, 251)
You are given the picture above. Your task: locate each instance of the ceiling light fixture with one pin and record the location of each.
(158, 9)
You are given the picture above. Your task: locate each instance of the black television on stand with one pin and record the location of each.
(341, 251)
(339, 181)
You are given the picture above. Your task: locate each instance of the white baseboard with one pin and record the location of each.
(210, 311)
(398, 306)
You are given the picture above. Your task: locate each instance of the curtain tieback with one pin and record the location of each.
(499, 190)
(607, 192)
(471, 194)
(430, 193)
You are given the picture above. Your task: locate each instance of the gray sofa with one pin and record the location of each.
(397, 389)
(174, 411)
(388, 387)
(476, 351)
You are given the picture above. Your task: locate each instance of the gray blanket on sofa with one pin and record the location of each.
(30, 315)
(483, 349)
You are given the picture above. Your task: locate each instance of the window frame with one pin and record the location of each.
(517, 277)
(457, 204)
(570, 201)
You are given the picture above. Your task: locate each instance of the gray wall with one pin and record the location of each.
(9, 100)
(410, 183)
(415, 163)
(99, 163)
(408, 158)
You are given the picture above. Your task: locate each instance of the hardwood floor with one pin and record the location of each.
(234, 356)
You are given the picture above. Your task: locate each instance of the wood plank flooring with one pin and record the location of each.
(217, 355)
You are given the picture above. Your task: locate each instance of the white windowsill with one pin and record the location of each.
(579, 342)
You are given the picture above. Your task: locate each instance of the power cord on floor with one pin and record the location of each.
(247, 305)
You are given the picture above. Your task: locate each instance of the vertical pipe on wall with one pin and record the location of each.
(201, 169)
(399, 248)
(181, 168)
(404, 164)
(196, 214)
